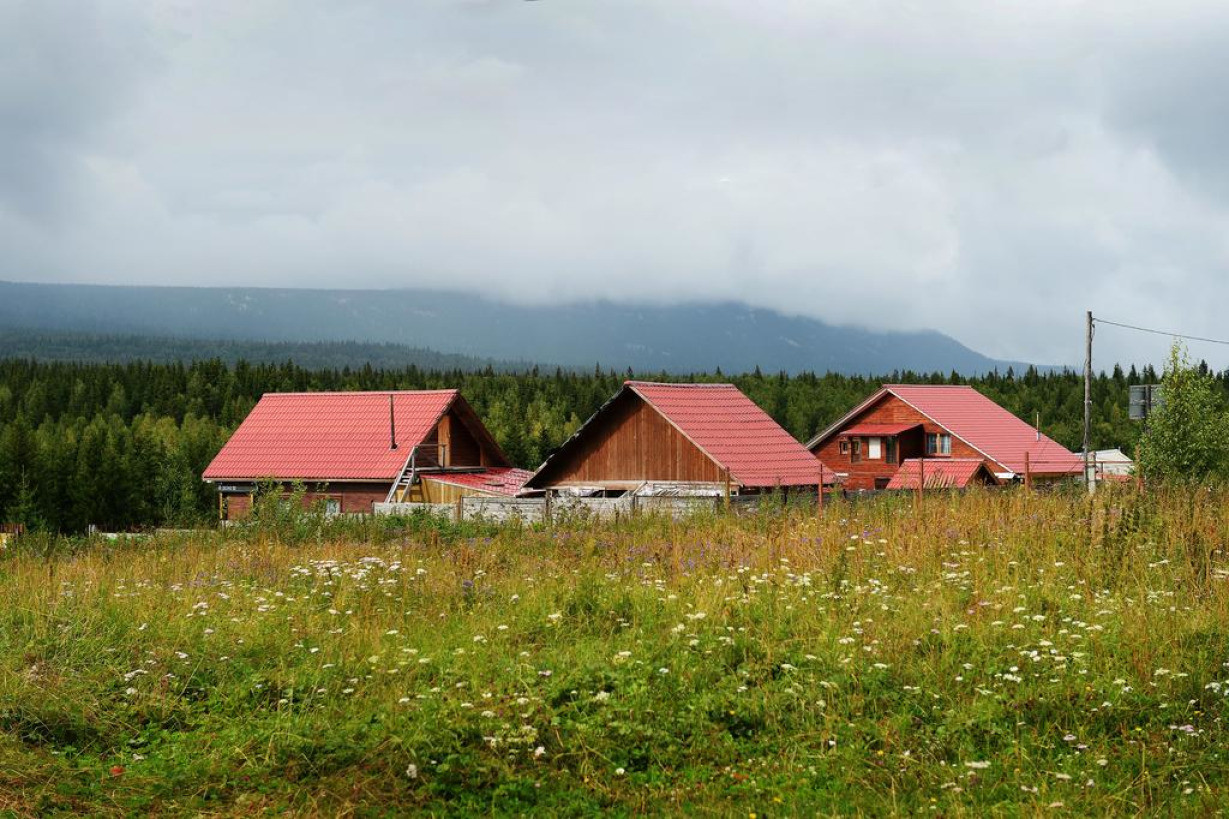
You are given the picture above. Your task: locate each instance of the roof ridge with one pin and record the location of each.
(688, 384)
(365, 392)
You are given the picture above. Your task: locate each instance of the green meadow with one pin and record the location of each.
(991, 653)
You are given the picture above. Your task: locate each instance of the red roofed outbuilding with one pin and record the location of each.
(938, 423)
(940, 473)
(354, 449)
(678, 439)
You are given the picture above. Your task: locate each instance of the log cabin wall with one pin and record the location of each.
(627, 443)
(912, 444)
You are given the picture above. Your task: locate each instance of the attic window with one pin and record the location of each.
(844, 446)
(938, 443)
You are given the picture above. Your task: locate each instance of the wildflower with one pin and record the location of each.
(979, 765)
(411, 771)
(539, 752)
(620, 771)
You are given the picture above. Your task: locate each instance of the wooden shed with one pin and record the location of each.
(683, 439)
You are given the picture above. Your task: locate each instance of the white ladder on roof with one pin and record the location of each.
(409, 474)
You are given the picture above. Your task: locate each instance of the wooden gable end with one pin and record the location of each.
(463, 440)
(867, 473)
(624, 445)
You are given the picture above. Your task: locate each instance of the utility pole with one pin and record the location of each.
(1088, 477)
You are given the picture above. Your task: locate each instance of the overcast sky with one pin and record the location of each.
(987, 169)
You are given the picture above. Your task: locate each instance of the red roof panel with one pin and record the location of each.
(322, 436)
(732, 430)
(988, 428)
(940, 473)
(496, 480)
(878, 429)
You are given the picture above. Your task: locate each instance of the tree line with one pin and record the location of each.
(122, 446)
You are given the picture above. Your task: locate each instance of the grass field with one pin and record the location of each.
(993, 653)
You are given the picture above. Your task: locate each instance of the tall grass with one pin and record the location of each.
(985, 653)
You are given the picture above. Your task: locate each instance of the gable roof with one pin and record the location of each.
(727, 427)
(338, 436)
(979, 422)
(940, 473)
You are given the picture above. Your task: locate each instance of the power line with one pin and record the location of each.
(1160, 332)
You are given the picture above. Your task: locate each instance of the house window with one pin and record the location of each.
(889, 450)
(332, 506)
(938, 443)
(844, 446)
(855, 454)
(874, 449)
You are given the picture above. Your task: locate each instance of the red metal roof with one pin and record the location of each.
(323, 436)
(732, 430)
(988, 428)
(878, 429)
(940, 473)
(496, 480)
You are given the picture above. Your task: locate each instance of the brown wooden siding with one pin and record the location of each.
(629, 443)
(888, 410)
(464, 449)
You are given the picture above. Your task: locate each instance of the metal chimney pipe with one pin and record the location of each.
(392, 424)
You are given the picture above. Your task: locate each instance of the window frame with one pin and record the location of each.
(938, 444)
(874, 448)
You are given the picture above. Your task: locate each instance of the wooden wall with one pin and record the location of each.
(464, 449)
(627, 443)
(888, 410)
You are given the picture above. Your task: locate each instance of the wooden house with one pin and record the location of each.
(354, 449)
(901, 422)
(683, 439)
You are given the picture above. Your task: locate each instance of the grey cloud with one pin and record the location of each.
(987, 170)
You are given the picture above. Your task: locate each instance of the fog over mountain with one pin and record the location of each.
(679, 339)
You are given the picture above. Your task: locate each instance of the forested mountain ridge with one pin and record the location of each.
(123, 445)
(110, 348)
(679, 339)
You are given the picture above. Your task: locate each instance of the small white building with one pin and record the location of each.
(1113, 464)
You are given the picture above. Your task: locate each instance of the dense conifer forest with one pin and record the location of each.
(122, 446)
